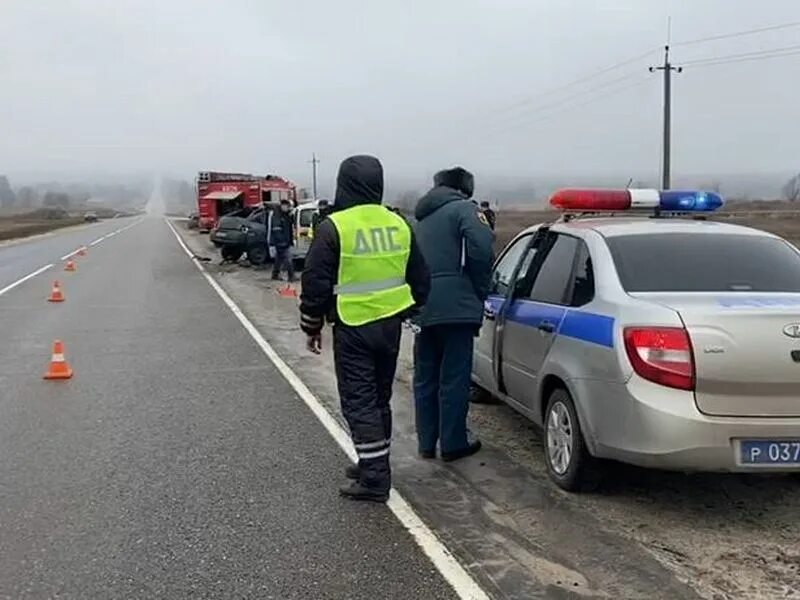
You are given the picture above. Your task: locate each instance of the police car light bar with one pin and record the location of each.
(591, 200)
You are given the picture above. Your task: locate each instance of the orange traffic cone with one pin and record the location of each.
(287, 292)
(70, 266)
(59, 368)
(82, 251)
(56, 295)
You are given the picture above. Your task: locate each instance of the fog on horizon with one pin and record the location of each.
(94, 88)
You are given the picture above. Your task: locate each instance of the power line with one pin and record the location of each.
(745, 59)
(550, 116)
(575, 82)
(755, 54)
(735, 34)
(577, 94)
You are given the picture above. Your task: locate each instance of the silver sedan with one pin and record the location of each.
(666, 343)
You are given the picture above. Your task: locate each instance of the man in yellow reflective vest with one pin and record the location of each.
(365, 274)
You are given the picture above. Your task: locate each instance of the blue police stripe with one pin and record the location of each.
(588, 327)
(533, 313)
(573, 323)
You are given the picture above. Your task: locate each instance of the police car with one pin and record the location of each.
(646, 338)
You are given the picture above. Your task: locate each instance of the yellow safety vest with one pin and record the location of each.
(374, 246)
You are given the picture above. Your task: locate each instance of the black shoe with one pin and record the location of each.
(356, 491)
(276, 278)
(471, 449)
(427, 453)
(352, 472)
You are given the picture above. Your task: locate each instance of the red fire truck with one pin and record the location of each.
(221, 193)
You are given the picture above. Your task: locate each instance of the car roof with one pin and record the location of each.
(618, 226)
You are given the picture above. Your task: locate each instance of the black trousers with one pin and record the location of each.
(283, 259)
(366, 361)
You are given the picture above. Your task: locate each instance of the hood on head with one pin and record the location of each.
(456, 178)
(360, 181)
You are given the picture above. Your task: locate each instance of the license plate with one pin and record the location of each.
(222, 234)
(769, 452)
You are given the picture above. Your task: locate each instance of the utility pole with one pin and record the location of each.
(668, 68)
(314, 161)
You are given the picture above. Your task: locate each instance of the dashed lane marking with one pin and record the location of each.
(459, 579)
(8, 288)
(41, 270)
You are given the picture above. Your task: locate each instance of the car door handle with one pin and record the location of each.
(547, 326)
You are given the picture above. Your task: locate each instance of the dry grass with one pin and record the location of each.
(26, 225)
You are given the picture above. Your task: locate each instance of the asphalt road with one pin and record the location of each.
(177, 462)
(19, 258)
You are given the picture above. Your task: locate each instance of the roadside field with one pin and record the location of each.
(24, 225)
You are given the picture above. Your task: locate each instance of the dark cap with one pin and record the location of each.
(457, 178)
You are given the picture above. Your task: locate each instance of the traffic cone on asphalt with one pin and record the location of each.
(82, 251)
(70, 266)
(287, 292)
(56, 295)
(59, 368)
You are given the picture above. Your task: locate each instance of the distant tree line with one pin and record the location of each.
(73, 195)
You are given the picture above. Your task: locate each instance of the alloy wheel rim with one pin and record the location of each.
(559, 438)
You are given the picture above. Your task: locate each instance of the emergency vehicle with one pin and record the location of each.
(646, 338)
(219, 194)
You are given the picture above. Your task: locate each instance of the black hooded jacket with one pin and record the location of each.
(360, 181)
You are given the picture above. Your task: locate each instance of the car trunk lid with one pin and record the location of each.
(746, 350)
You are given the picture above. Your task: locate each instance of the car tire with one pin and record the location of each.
(257, 255)
(578, 470)
(231, 253)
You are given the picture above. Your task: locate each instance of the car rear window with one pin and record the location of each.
(692, 262)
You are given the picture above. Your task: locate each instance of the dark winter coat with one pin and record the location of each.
(457, 246)
(360, 181)
(281, 233)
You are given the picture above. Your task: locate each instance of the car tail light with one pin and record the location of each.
(662, 355)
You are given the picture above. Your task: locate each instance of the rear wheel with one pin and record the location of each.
(257, 255)
(231, 253)
(569, 463)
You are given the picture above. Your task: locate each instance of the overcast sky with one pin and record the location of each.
(258, 85)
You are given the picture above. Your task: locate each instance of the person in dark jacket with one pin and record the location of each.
(457, 245)
(323, 210)
(365, 273)
(489, 215)
(281, 238)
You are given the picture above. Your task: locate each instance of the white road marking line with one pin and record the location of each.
(8, 288)
(100, 239)
(108, 235)
(444, 561)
